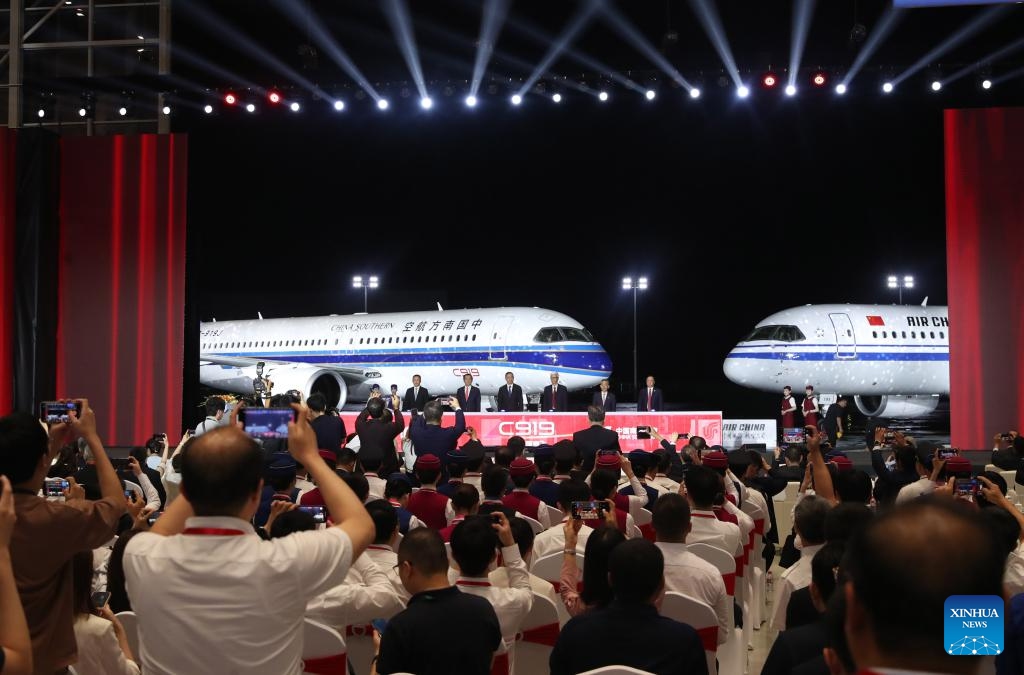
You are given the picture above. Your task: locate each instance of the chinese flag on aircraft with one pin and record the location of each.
(875, 321)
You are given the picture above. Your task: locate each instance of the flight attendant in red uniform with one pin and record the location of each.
(788, 408)
(810, 408)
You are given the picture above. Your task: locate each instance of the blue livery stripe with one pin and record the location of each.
(832, 356)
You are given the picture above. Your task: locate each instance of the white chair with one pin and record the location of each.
(700, 616)
(359, 647)
(732, 656)
(616, 670)
(755, 577)
(323, 649)
(643, 517)
(549, 567)
(131, 631)
(534, 524)
(539, 634)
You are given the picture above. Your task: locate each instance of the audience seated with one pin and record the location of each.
(382, 550)
(427, 504)
(544, 486)
(522, 472)
(702, 485)
(523, 535)
(630, 631)
(552, 540)
(493, 486)
(596, 591)
(102, 643)
(442, 630)
(48, 534)
(201, 561)
(809, 523)
(465, 502)
(397, 492)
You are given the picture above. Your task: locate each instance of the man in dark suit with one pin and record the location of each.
(649, 399)
(595, 437)
(604, 398)
(415, 396)
(510, 397)
(555, 397)
(377, 437)
(429, 437)
(791, 471)
(468, 395)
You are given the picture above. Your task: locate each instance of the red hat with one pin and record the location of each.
(608, 461)
(715, 459)
(521, 467)
(957, 464)
(428, 463)
(842, 463)
(329, 455)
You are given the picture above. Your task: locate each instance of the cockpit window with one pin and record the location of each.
(563, 334)
(777, 333)
(548, 335)
(577, 335)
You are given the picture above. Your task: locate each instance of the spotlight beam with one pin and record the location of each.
(323, 39)
(885, 25)
(397, 13)
(712, 23)
(994, 56)
(631, 34)
(803, 11)
(247, 45)
(983, 19)
(491, 22)
(1007, 76)
(575, 26)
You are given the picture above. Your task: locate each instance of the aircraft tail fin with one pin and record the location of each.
(439, 307)
(924, 303)
(260, 315)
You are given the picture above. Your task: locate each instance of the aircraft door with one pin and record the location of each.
(846, 343)
(499, 338)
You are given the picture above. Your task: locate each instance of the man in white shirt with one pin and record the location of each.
(524, 537)
(702, 484)
(382, 550)
(924, 485)
(809, 523)
(552, 540)
(684, 571)
(214, 574)
(474, 550)
(215, 407)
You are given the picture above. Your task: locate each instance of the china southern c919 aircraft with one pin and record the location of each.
(892, 359)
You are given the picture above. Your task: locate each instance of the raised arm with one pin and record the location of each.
(822, 478)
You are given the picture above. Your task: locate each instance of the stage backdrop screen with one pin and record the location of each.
(122, 281)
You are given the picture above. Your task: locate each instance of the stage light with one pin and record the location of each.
(166, 110)
(790, 90)
(819, 78)
(426, 103)
(250, 107)
(516, 99)
(230, 98)
(936, 85)
(887, 87)
(208, 109)
(382, 104)
(986, 84)
(122, 111)
(471, 101)
(274, 97)
(769, 80)
(41, 113)
(82, 112)
(649, 94)
(840, 88)
(694, 92)
(743, 91)
(557, 98)
(603, 96)
(339, 105)
(295, 106)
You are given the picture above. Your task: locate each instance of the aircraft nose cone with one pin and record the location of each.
(734, 369)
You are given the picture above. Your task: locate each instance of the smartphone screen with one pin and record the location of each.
(793, 435)
(266, 423)
(591, 510)
(319, 513)
(966, 487)
(379, 625)
(153, 516)
(100, 598)
(55, 488)
(58, 412)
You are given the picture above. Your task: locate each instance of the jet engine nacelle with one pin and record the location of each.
(306, 379)
(896, 406)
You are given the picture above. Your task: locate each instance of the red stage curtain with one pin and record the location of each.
(985, 274)
(120, 338)
(7, 146)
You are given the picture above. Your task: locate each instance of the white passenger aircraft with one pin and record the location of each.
(343, 356)
(893, 359)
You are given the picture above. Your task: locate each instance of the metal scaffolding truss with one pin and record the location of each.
(110, 28)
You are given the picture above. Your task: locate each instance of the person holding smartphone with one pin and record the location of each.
(103, 647)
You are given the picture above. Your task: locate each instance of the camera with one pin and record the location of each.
(267, 423)
(966, 487)
(100, 598)
(1006, 436)
(55, 488)
(59, 412)
(946, 453)
(643, 432)
(592, 510)
(319, 513)
(889, 437)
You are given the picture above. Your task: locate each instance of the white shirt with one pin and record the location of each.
(472, 478)
(385, 558)
(919, 488)
(552, 540)
(696, 577)
(511, 604)
(1013, 577)
(706, 528)
(796, 576)
(376, 486)
(755, 497)
(665, 482)
(99, 652)
(209, 424)
(499, 578)
(370, 597)
(232, 603)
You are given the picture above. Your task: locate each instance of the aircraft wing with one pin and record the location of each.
(352, 374)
